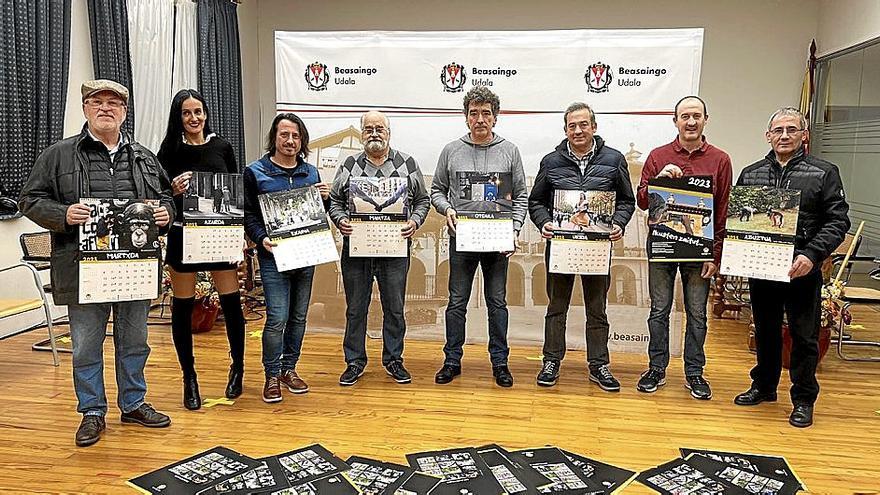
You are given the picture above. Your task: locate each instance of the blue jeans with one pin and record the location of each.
(462, 268)
(661, 285)
(88, 328)
(287, 305)
(357, 277)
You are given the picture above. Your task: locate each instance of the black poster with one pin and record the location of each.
(376, 477)
(418, 484)
(563, 474)
(302, 466)
(515, 477)
(463, 471)
(773, 466)
(609, 478)
(750, 481)
(677, 477)
(268, 476)
(196, 473)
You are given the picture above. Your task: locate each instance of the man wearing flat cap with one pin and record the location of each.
(99, 162)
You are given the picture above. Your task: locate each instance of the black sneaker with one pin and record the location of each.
(602, 376)
(549, 373)
(146, 416)
(651, 380)
(502, 375)
(447, 373)
(396, 370)
(699, 387)
(90, 430)
(350, 375)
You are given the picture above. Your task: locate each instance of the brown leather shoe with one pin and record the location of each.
(293, 382)
(89, 430)
(272, 390)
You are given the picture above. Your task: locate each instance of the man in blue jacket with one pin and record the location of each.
(580, 162)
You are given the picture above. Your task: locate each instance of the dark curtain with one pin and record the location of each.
(34, 60)
(108, 23)
(220, 70)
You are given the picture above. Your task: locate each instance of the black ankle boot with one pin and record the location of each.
(234, 386)
(191, 398)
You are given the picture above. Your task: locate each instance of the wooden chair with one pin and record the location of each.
(13, 307)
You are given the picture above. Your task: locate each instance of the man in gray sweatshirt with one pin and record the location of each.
(481, 151)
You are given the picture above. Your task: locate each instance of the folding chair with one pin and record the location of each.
(36, 251)
(13, 307)
(852, 296)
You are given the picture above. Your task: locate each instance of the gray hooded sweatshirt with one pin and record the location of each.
(463, 155)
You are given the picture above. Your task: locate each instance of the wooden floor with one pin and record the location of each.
(378, 418)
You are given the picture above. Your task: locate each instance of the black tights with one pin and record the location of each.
(181, 330)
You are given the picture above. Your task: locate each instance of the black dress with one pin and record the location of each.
(217, 156)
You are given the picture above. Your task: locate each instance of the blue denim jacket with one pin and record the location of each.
(263, 176)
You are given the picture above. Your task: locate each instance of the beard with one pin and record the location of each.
(375, 146)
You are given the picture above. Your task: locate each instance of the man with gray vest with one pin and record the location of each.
(377, 160)
(102, 161)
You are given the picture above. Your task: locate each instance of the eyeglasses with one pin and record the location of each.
(368, 131)
(778, 131)
(111, 104)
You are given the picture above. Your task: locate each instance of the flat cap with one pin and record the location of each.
(91, 87)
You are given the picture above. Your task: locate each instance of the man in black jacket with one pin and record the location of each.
(822, 224)
(100, 162)
(581, 162)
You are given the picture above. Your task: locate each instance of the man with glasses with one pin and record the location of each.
(377, 160)
(483, 151)
(582, 161)
(822, 224)
(688, 154)
(101, 162)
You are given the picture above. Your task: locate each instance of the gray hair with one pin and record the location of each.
(579, 105)
(387, 120)
(787, 112)
(481, 94)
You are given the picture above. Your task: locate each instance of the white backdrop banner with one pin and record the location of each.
(631, 78)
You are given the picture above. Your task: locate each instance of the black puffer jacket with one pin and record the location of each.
(60, 177)
(822, 219)
(607, 171)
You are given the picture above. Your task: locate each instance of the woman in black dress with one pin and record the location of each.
(190, 146)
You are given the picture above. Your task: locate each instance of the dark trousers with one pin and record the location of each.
(357, 278)
(462, 268)
(800, 301)
(559, 287)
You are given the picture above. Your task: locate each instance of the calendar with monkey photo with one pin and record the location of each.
(119, 251)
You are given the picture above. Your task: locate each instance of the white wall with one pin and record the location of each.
(844, 23)
(753, 59)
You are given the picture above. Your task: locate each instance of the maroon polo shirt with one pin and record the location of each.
(707, 160)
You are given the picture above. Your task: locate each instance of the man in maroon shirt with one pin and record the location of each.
(688, 154)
